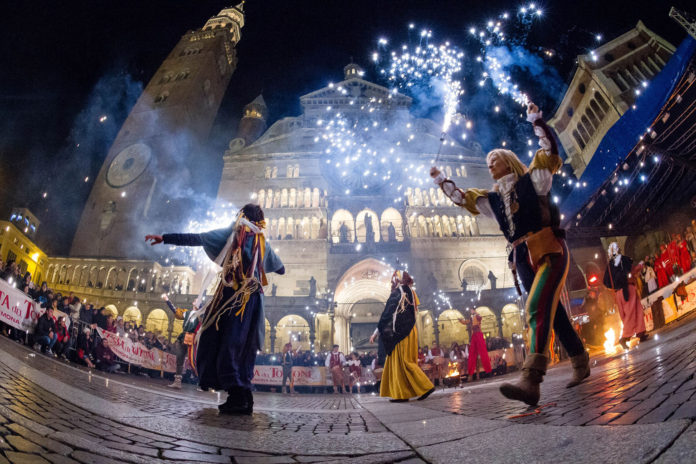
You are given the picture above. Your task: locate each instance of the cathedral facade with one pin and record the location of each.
(340, 237)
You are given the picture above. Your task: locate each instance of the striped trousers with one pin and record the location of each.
(544, 284)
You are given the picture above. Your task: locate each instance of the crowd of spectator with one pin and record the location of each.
(73, 336)
(673, 258)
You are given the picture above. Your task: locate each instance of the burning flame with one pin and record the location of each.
(610, 342)
(453, 368)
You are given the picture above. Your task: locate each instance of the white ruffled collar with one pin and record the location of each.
(507, 182)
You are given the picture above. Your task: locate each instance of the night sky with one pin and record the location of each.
(66, 63)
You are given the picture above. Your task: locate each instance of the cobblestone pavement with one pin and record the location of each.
(637, 407)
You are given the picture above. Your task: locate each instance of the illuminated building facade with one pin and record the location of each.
(338, 234)
(16, 244)
(605, 85)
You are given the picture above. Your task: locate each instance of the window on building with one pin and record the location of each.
(11, 256)
(182, 75)
(161, 98)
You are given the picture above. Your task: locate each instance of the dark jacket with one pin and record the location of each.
(86, 315)
(45, 325)
(616, 277)
(390, 332)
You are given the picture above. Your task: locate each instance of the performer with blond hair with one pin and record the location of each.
(521, 205)
(402, 379)
(232, 322)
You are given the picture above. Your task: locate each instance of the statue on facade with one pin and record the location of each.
(312, 287)
(493, 279)
(391, 233)
(274, 289)
(323, 232)
(343, 233)
(369, 231)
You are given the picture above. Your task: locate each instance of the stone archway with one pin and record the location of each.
(365, 285)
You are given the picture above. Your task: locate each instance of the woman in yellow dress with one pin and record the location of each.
(402, 378)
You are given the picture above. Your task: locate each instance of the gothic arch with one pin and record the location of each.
(133, 314)
(294, 329)
(393, 217)
(451, 330)
(511, 321)
(340, 217)
(489, 323)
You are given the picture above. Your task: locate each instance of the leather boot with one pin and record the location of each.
(527, 389)
(235, 401)
(177, 383)
(581, 368)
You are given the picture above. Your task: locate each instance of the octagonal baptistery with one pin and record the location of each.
(346, 194)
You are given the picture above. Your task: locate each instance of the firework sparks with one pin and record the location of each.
(493, 39)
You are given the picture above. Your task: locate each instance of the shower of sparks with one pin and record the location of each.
(491, 37)
(372, 142)
(429, 64)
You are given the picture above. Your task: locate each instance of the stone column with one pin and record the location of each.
(273, 337)
(312, 333)
(436, 329)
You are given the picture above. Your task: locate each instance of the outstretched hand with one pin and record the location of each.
(154, 239)
(532, 108)
(434, 172)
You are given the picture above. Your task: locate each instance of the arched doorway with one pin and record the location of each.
(451, 330)
(293, 329)
(157, 322)
(359, 299)
(364, 315)
(511, 321)
(111, 309)
(132, 314)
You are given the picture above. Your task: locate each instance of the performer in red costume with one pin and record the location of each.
(335, 362)
(477, 345)
(660, 272)
(666, 262)
(683, 255)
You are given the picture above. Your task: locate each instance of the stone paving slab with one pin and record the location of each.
(638, 407)
(540, 443)
(683, 450)
(443, 429)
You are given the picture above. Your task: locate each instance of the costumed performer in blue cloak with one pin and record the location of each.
(232, 322)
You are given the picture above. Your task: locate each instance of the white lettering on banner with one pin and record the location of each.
(137, 353)
(20, 311)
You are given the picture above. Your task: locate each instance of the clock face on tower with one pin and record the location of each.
(128, 165)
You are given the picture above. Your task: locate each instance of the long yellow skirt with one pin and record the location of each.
(402, 378)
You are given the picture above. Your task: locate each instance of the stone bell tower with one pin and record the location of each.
(148, 178)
